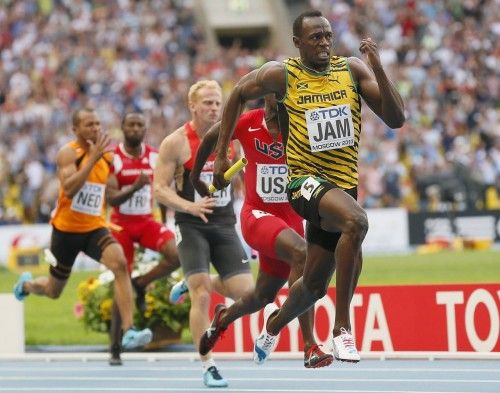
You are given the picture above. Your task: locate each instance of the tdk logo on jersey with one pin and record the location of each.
(274, 150)
(274, 170)
(329, 97)
(329, 113)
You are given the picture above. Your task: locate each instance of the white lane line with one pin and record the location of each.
(186, 379)
(204, 390)
(345, 368)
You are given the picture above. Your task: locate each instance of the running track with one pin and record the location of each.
(184, 375)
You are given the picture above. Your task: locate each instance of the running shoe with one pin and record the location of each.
(314, 357)
(213, 333)
(178, 292)
(212, 378)
(265, 343)
(18, 288)
(140, 296)
(344, 347)
(136, 338)
(115, 359)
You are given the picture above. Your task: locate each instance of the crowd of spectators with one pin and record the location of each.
(58, 55)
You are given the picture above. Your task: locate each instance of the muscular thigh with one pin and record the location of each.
(193, 248)
(260, 230)
(226, 251)
(305, 200)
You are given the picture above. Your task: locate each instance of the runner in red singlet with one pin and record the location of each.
(129, 191)
(268, 223)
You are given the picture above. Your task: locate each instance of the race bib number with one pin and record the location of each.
(330, 128)
(308, 187)
(89, 199)
(271, 182)
(139, 203)
(222, 197)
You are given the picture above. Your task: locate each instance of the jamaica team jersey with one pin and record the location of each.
(266, 172)
(324, 122)
(126, 169)
(86, 210)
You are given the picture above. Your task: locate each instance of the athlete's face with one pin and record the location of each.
(315, 42)
(207, 105)
(134, 129)
(88, 126)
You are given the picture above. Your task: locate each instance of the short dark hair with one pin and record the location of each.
(127, 114)
(297, 23)
(75, 119)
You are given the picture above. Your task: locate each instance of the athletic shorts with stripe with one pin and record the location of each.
(261, 228)
(200, 244)
(148, 233)
(65, 246)
(304, 195)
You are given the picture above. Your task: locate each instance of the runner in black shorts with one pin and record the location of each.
(205, 229)
(320, 97)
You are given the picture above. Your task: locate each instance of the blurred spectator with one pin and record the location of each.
(57, 55)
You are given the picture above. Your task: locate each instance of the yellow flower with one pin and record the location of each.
(105, 309)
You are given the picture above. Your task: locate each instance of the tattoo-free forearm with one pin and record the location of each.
(230, 115)
(391, 101)
(73, 183)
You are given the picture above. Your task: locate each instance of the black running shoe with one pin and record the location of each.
(213, 333)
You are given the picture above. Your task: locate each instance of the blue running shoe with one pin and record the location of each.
(136, 338)
(212, 378)
(18, 288)
(178, 292)
(265, 343)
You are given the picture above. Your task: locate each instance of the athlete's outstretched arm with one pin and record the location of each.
(376, 88)
(206, 147)
(116, 196)
(270, 78)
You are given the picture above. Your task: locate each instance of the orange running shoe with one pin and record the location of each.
(314, 357)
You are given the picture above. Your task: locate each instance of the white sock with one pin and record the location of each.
(207, 364)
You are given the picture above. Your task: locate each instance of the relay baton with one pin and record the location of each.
(228, 175)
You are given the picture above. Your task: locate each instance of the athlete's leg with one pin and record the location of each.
(164, 268)
(266, 289)
(50, 286)
(157, 237)
(291, 248)
(339, 211)
(318, 271)
(199, 292)
(114, 259)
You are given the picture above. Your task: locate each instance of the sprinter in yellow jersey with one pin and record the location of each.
(79, 223)
(320, 96)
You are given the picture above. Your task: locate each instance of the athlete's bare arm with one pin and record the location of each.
(206, 147)
(375, 87)
(270, 78)
(171, 157)
(71, 177)
(116, 196)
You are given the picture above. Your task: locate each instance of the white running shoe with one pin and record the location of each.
(265, 343)
(344, 347)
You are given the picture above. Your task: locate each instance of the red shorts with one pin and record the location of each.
(261, 228)
(149, 233)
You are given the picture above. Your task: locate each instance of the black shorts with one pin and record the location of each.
(200, 244)
(304, 195)
(65, 246)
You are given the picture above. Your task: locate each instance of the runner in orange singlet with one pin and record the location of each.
(79, 225)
